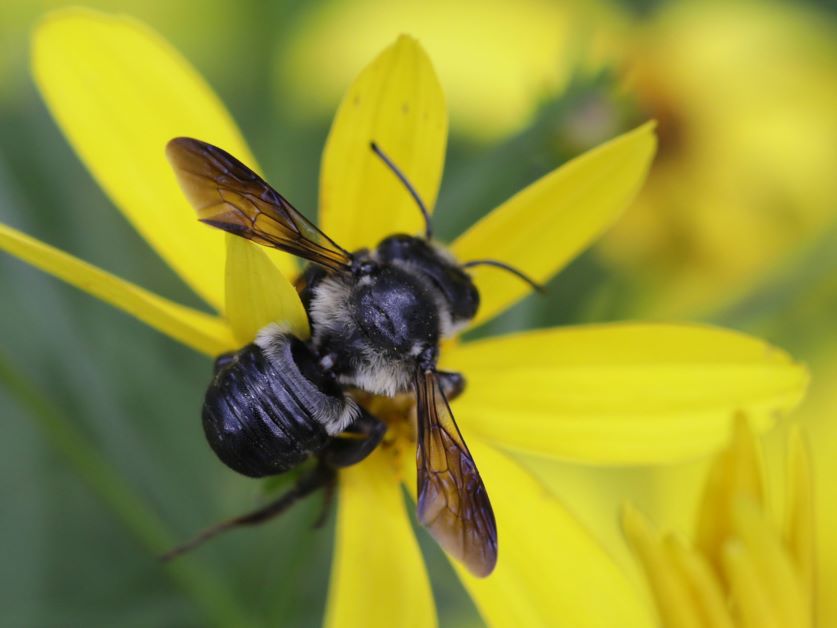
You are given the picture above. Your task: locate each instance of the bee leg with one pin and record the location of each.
(357, 442)
(328, 499)
(352, 446)
(452, 384)
(321, 476)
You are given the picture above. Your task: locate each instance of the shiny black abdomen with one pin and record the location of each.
(258, 411)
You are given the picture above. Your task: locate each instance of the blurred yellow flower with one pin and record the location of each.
(741, 570)
(746, 95)
(619, 393)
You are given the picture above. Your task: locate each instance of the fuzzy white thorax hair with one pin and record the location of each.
(329, 308)
(379, 375)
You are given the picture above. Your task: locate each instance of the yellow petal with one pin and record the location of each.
(258, 294)
(620, 393)
(549, 570)
(397, 102)
(119, 92)
(671, 592)
(749, 597)
(204, 333)
(776, 572)
(799, 529)
(735, 474)
(540, 229)
(532, 52)
(378, 578)
(708, 597)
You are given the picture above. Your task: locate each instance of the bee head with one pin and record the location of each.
(439, 268)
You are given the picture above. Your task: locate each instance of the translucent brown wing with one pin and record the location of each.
(452, 500)
(228, 195)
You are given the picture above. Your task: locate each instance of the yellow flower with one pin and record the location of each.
(742, 569)
(745, 94)
(618, 393)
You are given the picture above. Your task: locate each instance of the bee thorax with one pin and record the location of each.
(371, 331)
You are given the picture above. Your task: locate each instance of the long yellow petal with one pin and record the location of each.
(549, 570)
(704, 586)
(674, 601)
(202, 332)
(378, 578)
(529, 54)
(776, 571)
(119, 92)
(751, 600)
(620, 393)
(397, 102)
(799, 528)
(258, 294)
(737, 473)
(540, 229)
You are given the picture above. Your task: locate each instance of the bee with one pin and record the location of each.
(377, 317)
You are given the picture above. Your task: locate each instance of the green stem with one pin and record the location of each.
(207, 591)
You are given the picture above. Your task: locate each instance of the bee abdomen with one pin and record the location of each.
(269, 406)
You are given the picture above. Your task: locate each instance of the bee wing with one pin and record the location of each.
(228, 195)
(452, 501)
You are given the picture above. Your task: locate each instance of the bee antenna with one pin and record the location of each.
(428, 230)
(502, 265)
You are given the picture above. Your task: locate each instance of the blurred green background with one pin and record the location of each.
(102, 456)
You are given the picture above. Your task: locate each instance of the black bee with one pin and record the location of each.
(376, 317)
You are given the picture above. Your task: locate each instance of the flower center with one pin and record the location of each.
(399, 413)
